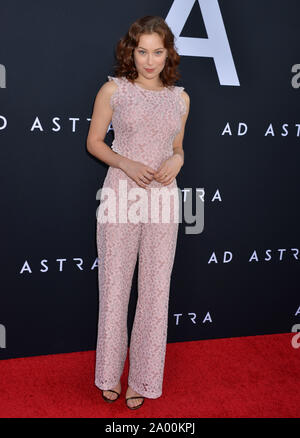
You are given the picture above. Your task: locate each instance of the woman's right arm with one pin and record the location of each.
(101, 118)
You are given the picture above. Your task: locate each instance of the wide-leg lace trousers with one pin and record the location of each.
(119, 246)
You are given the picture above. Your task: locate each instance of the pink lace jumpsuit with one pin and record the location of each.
(145, 123)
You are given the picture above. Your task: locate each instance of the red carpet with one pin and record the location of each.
(254, 376)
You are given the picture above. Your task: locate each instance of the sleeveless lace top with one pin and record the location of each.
(145, 122)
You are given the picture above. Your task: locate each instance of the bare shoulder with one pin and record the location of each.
(108, 89)
(186, 97)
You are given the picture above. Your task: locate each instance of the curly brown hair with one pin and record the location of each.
(124, 52)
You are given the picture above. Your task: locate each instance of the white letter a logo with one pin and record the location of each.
(216, 46)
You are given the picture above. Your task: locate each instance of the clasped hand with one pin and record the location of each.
(143, 174)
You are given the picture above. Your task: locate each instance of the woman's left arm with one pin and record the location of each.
(171, 167)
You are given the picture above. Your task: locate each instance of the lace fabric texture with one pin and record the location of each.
(145, 123)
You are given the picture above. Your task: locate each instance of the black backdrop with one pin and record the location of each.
(240, 275)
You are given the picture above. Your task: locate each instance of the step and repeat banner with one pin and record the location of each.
(238, 275)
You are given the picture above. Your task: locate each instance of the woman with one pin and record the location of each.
(148, 114)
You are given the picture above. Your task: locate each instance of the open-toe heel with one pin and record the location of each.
(137, 406)
(108, 399)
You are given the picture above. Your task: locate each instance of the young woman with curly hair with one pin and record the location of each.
(148, 114)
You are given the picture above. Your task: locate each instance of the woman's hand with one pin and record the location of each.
(139, 172)
(169, 169)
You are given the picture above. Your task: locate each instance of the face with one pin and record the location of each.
(150, 55)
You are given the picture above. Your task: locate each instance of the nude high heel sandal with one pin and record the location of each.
(137, 406)
(108, 399)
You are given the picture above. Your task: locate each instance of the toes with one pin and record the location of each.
(134, 402)
(110, 395)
